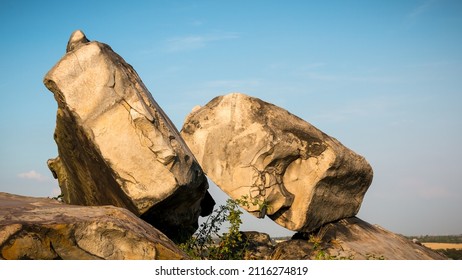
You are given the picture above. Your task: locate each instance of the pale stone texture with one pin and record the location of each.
(117, 146)
(301, 177)
(42, 228)
(355, 239)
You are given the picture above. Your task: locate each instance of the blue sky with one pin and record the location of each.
(383, 77)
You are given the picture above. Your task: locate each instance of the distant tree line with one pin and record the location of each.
(454, 254)
(438, 238)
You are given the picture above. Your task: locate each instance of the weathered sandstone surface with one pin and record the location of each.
(116, 145)
(299, 176)
(42, 228)
(353, 238)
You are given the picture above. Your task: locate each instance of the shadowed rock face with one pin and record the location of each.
(301, 177)
(116, 145)
(353, 238)
(42, 228)
(259, 245)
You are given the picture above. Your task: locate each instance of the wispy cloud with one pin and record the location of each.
(421, 9)
(413, 16)
(193, 42)
(33, 175)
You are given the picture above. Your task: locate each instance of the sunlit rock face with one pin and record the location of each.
(296, 174)
(45, 229)
(355, 239)
(117, 146)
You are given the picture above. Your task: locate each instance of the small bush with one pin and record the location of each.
(208, 244)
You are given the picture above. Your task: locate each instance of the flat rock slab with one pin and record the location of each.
(286, 168)
(43, 228)
(355, 239)
(116, 145)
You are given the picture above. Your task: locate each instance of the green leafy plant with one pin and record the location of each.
(319, 249)
(263, 205)
(231, 245)
(209, 244)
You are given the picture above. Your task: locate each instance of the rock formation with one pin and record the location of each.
(42, 228)
(259, 245)
(288, 169)
(124, 168)
(353, 238)
(116, 145)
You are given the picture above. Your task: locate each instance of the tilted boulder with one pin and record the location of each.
(288, 169)
(116, 146)
(45, 229)
(353, 238)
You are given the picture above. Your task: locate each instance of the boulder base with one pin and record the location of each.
(355, 239)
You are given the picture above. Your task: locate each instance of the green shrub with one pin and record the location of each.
(208, 244)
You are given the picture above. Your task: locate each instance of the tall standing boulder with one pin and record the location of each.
(288, 169)
(116, 145)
